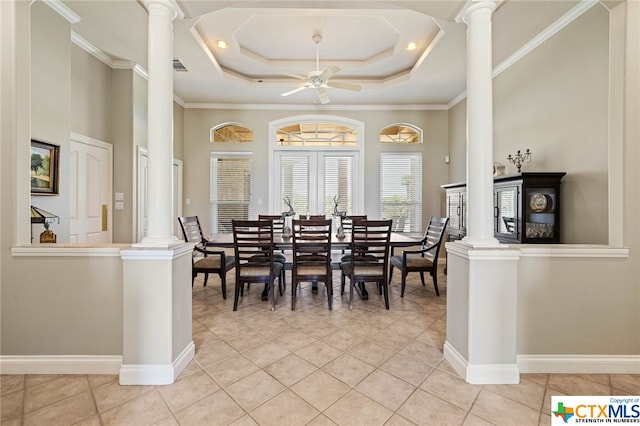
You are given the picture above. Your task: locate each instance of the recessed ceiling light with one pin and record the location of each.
(221, 44)
(411, 46)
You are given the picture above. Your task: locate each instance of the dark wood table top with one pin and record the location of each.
(397, 240)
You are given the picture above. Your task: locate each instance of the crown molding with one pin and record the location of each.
(91, 49)
(286, 107)
(63, 10)
(543, 36)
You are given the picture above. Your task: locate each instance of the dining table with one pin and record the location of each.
(281, 242)
(338, 245)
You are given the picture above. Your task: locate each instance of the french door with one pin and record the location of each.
(313, 180)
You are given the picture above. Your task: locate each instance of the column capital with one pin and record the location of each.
(171, 5)
(473, 6)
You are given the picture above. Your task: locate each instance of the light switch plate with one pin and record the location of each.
(119, 196)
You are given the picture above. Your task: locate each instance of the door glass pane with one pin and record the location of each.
(294, 183)
(506, 210)
(338, 184)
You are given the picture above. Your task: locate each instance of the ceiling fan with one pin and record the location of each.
(320, 80)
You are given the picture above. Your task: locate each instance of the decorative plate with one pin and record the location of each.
(540, 202)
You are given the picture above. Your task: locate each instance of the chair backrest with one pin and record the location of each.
(191, 229)
(312, 241)
(278, 221)
(370, 243)
(433, 236)
(347, 222)
(253, 242)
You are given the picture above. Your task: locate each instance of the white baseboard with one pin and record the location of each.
(60, 364)
(159, 374)
(579, 364)
(481, 374)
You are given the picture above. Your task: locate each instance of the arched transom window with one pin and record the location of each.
(317, 134)
(231, 132)
(401, 133)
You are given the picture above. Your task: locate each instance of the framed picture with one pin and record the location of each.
(45, 159)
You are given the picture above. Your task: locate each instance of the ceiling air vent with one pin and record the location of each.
(179, 66)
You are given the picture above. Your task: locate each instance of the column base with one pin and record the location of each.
(159, 242)
(163, 374)
(479, 374)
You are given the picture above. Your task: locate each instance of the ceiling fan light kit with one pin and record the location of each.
(320, 80)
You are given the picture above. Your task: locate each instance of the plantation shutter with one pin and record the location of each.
(401, 190)
(294, 183)
(230, 190)
(338, 181)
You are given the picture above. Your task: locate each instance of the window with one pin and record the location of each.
(313, 160)
(230, 189)
(313, 179)
(231, 132)
(316, 134)
(401, 133)
(401, 190)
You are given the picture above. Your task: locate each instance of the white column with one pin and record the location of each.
(482, 285)
(480, 204)
(160, 124)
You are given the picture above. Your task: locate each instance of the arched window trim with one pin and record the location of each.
(417, 129)
(358, 126)
(318, 118)
(229, 123)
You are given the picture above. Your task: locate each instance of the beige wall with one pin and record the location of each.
(57, 305)
(197, 149)
(554, 101)
(91, 89)
(50, 59)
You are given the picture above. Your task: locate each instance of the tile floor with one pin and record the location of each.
(310, 366)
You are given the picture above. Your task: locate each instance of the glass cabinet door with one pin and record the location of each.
(540, 218)
(506, 210)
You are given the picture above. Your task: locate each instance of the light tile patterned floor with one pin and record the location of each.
(310, 366)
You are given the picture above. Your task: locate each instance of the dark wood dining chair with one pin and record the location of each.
(311, 256)
(255, 260)
(204, 260)
(278, 226)
(424, 259)
(369, 260)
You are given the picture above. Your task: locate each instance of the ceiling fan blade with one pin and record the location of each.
(323, 96)
(298, 76)
(343, 85)
(329, 72)
(291, 92)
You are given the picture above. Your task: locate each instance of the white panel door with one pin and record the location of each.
(141, 196)
(90, 212)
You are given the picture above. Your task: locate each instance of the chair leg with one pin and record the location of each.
(272, 292)
(434, 275)
(329, 284)
(422, 278)
(236, 297)
(294, 290)
(404, 283)
(390, 273)
(351, 285)
(206, 277)
(385, 289)
(342, 284)
(223, 284)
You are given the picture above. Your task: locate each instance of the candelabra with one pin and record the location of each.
(519, 158)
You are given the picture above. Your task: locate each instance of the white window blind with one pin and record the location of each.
(338, 181)
(294, 183)
(401, 190)
(230, 190)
